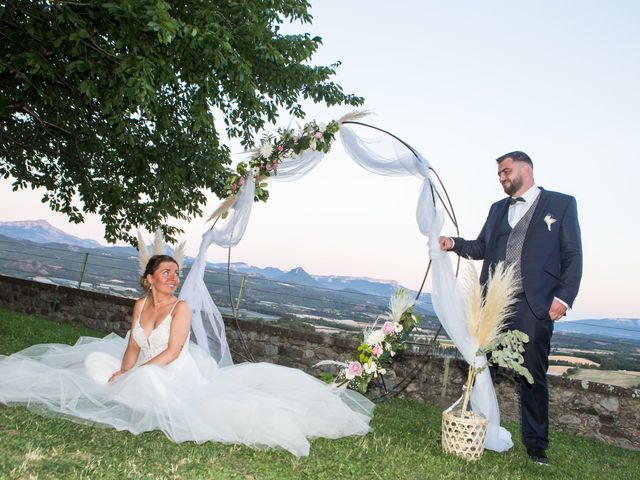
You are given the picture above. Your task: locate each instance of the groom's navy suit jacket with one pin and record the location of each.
(551, 264)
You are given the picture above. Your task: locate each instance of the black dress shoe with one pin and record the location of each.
(538, 455)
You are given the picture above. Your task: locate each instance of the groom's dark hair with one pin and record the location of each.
(516, 156)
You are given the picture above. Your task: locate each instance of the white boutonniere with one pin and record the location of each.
(549, 220)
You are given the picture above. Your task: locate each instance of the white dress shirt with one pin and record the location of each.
(518, 209)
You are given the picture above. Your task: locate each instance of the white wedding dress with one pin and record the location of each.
(255, 404)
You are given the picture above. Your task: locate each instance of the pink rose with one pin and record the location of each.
(233, 187)
(388, 328)
(280, 148)
(355, 369)
(269, 167)
(241, 181)
(318, 135)
(377, 351)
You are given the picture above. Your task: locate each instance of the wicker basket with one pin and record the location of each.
(463, 435)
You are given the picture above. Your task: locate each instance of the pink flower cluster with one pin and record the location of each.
(355, 369)
(388, 328)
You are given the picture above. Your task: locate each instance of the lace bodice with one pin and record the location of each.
(158, 339)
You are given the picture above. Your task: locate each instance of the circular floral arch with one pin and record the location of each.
(289, 155)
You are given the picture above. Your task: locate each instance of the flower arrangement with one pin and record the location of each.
(274, 149)
(486, 317)
(379, 344)
(463, 431)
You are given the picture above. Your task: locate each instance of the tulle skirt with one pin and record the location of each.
(256, 404)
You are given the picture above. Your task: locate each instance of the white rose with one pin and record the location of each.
(322, 127)
(398, 328)
(312, 143)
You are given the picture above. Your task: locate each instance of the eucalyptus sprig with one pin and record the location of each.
(506, 351)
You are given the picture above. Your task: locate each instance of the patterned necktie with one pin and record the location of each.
(514, 200)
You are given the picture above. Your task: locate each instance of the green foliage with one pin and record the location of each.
(506, 350)
(327, 377)
(109, 106)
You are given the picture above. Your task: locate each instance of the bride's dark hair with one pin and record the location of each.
(152, 265)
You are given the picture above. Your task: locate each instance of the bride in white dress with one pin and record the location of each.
(156, 379)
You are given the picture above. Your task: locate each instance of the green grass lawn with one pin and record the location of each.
(404, 444)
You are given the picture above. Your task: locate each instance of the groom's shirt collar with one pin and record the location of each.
(531, 194)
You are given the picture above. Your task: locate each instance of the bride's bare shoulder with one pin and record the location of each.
(139, 302)
(137, 307)
(182, 307)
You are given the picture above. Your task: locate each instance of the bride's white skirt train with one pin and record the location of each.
(255, 404)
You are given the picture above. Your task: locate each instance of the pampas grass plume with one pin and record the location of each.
(486, 316)
(144, 253)
(354, 115)
(498, 302)
(159, 247)
(179, 254)
(399, 303)
(474, 300)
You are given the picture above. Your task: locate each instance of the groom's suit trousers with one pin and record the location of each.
(534, 398)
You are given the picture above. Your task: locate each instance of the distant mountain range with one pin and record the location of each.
(624, 328)
(334, 282)
(40, 231)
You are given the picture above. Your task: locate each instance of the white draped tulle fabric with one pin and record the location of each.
(207, 324)
(191, 399)
(386, 155)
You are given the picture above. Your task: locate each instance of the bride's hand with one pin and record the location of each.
(116, 375)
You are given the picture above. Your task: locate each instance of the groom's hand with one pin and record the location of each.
(557, 310)
(446, 243)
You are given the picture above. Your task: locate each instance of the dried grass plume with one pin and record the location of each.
(159, 246)
(354, 115)
(144, 254)
(486, 315)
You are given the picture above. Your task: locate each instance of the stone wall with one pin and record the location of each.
(604, 412)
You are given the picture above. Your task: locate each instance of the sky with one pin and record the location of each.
(462, 82)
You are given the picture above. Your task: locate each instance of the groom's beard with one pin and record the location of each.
(511, 187)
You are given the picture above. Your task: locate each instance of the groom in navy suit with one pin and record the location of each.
(538, 232)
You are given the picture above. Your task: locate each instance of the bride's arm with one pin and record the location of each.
(133, 350)
(180, 325)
